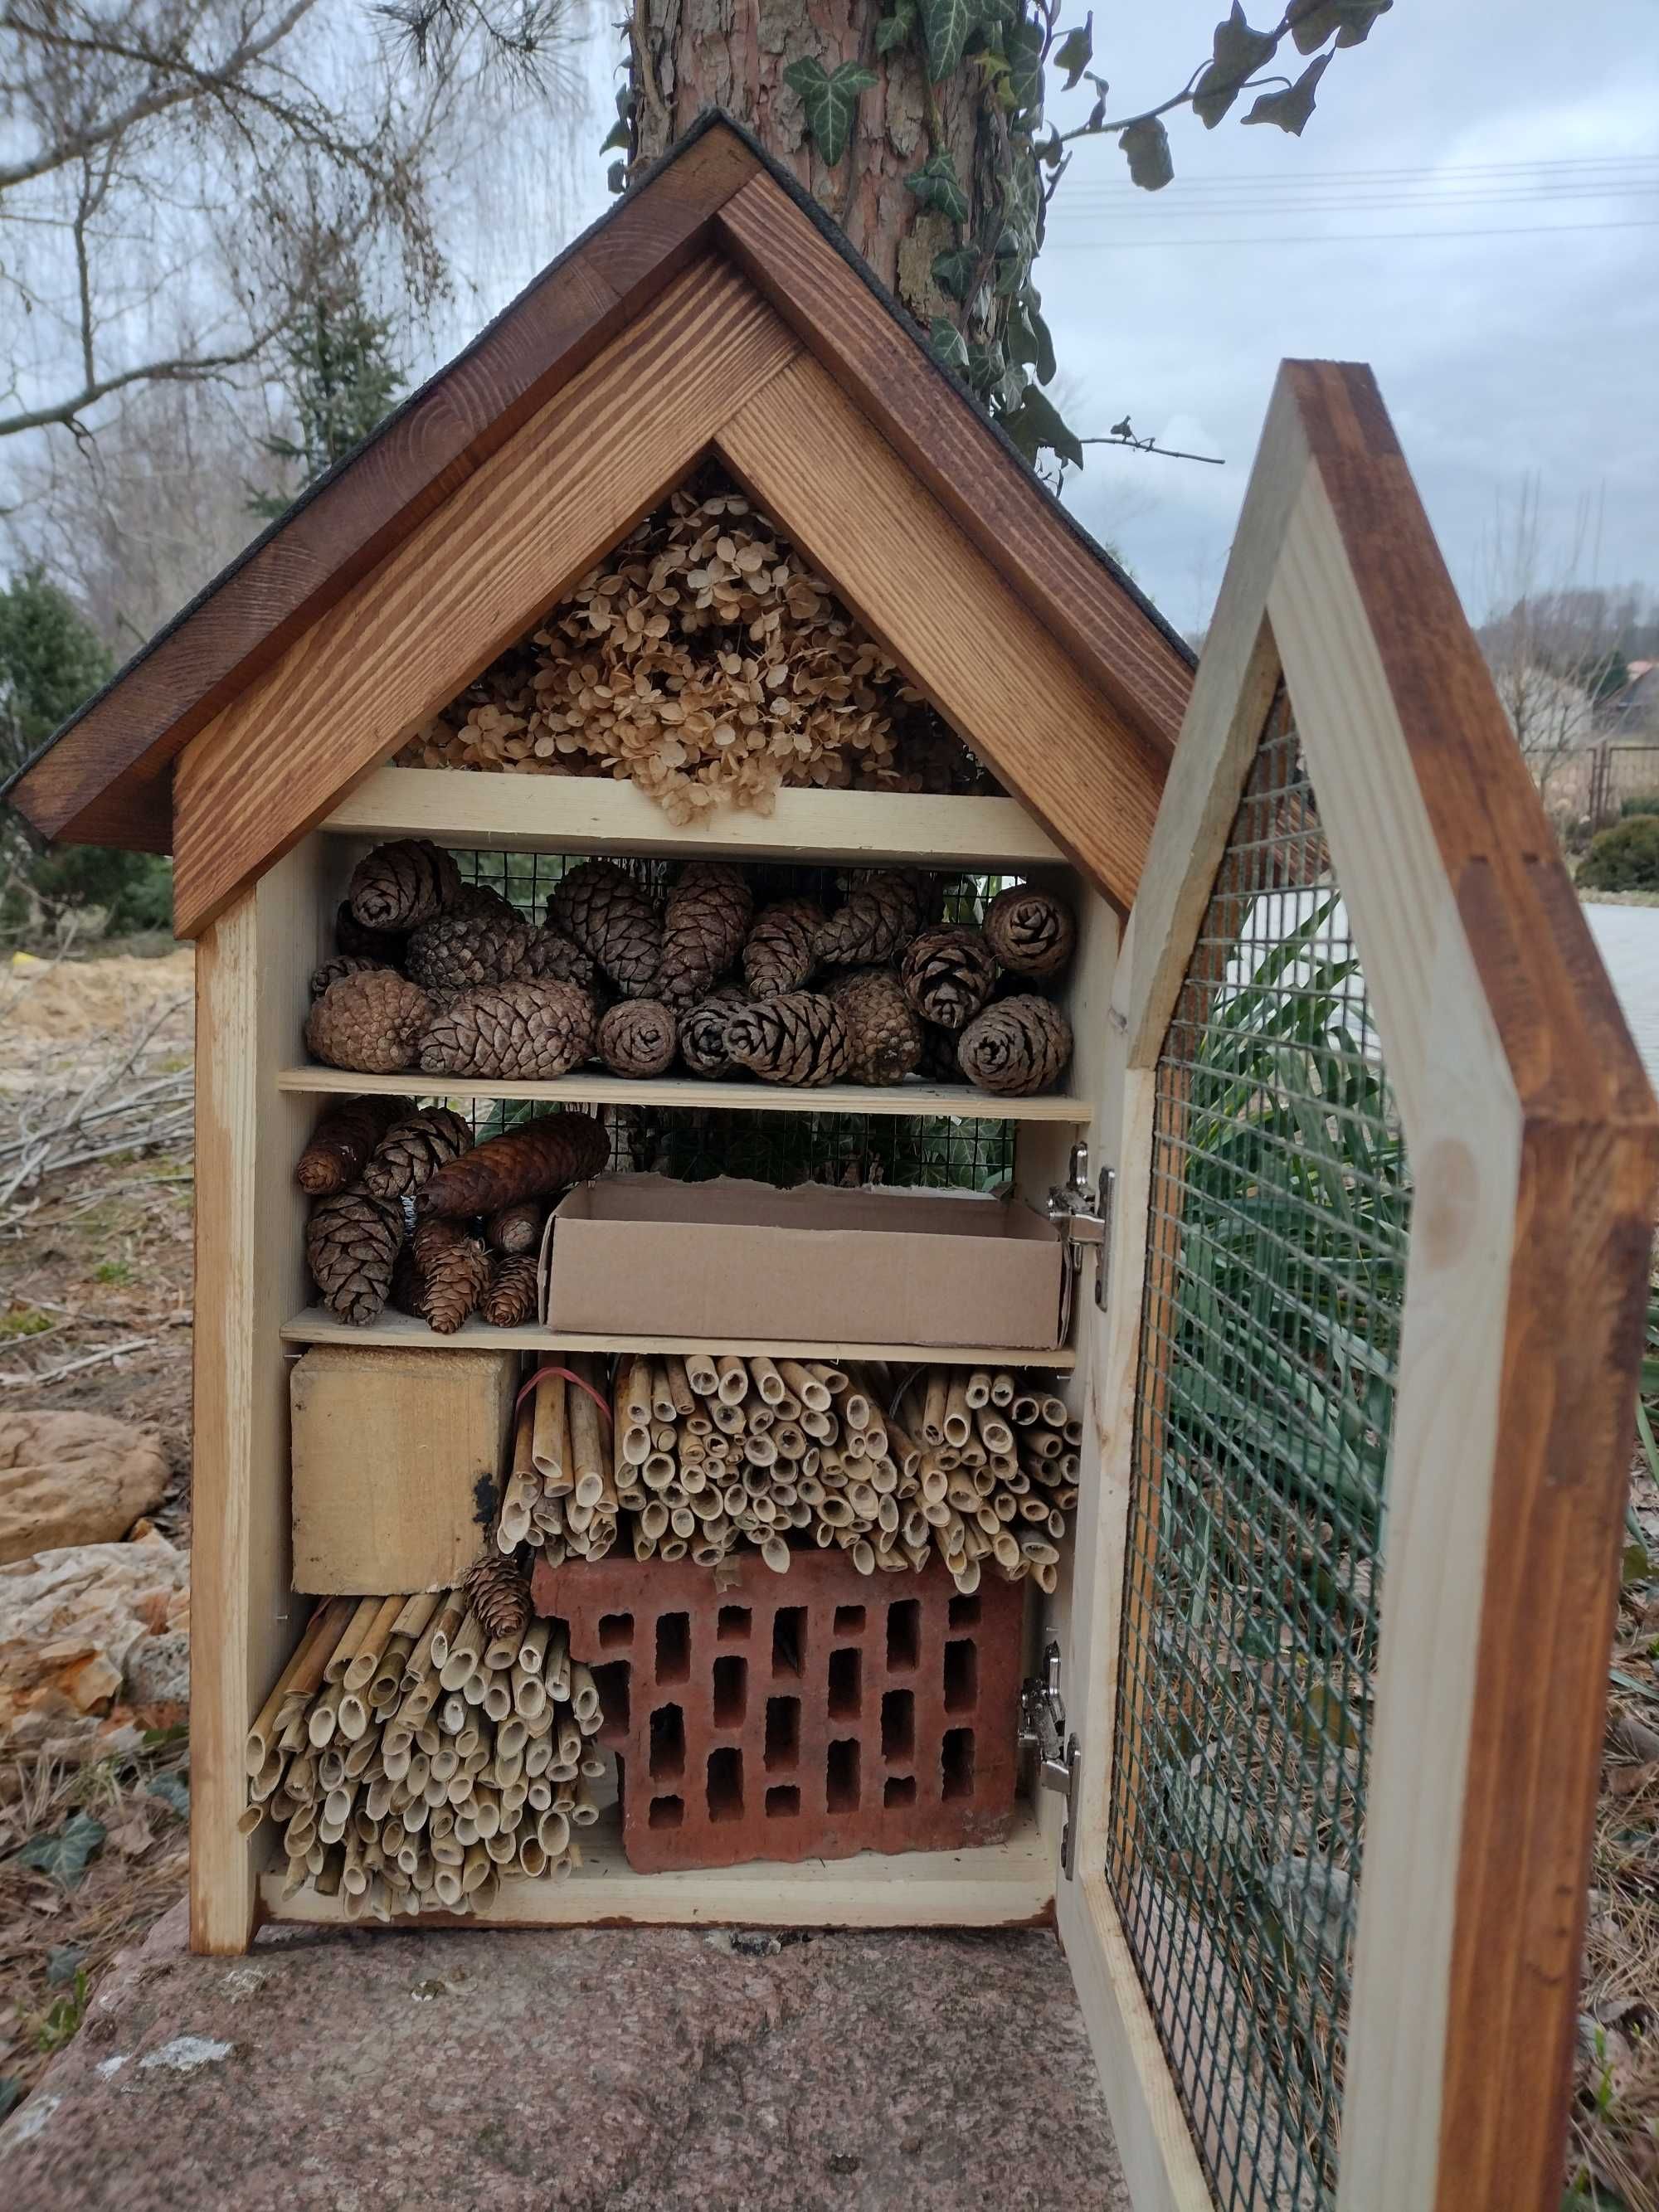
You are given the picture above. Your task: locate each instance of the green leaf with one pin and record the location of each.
(1239, 52)
(830, 100)
(1146, 144)
(1076, 51)
(173, 1791)
(12, 2094)
(947, 26)
(1312, 21)
(67, 1855)
(946, 343)
(936, 185)
(615, 176)
(953, 272)
(1291, 108)
(1037, 424)
(895, 29)
(619, 137)
(1026, 67)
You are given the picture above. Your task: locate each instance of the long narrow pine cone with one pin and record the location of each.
(343, 963)
(401, 884)
(947, 974)
(371, 1022)
(606, 911)
(454, 1273)
(498, 1590)
(704, 924)
(460, 951)
(516, 1227)
(510, 1301)
(351, 1245)
(796, 1039)
(638, 1036)
(529, 1030)
(1017, 1045)
(778, 955)
(414, 1147)
(532, 1161)
(343, 1141)
(1030, 931)
(702, 1032)
(880, 915)
(883, 1037)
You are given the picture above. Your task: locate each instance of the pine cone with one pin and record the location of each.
(609, 916)
(704, 924)
(399, 885)
(532, 1161)
(344, 963)
(480, 899)
(498, 1590)
(702, 1032)
(1017, 1045)
(637, 1036)
(351, 1242)
(351, 937)
(1030, 930)
(371, 1022)
(460, 951)
(881, 914)
(551, 955)
(342, 1142)
(796, 1038)
(947, 974)
(529, 1030)
(938, 1063)
(517, 1228)
(883, 1037)
(454, 1273)
(404, 1296)
(413, 1147)
(510, 1301)
(778, 955)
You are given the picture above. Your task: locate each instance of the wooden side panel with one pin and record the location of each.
(522, 530)
(811, 459)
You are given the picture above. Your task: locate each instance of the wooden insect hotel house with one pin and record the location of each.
(839, 1284)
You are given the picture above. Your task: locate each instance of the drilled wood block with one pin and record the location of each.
(808, 1715)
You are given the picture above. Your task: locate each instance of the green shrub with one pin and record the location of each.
(1625, 858)
(1641, 802)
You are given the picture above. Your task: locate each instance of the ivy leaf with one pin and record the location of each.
(1036, 423)
(619, 136)
(893, 30)
(830, 99)
(946, 344)
(173, 1791)
(1051, 150)
(1146, 143)
(1312, 21)
(1291, 108)
(1076, 51)
(936, 185)
(67, 1855)
(953, 273)
(947, 26)
(1239, 51)
(615, 176)
(1026, 67)
(1029, 341)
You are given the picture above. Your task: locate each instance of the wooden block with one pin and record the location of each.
(396, 1462)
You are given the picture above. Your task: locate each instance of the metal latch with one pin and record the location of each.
(1042, 1729)
(1085, 1218)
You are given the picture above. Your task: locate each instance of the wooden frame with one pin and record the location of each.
(1533, 1139)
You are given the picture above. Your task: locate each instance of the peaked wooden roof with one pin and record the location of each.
(715, 201)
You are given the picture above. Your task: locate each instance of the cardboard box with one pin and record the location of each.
(730, 1258)
(397, 1459)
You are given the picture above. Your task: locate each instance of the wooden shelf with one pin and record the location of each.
(317, 1325)
(996, 1885)
(471, 807)
(593, 1089)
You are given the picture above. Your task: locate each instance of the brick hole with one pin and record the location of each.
(956, 1764)
(964, 1611)
(673, 1647)
(782, 1802)
(850, 1620)
(666, 1813)
(611, 1682)
(897, 1791)
(734, 1625)
(903, 1635)
(783, 1732)
(615, 1631)
(726, 1783)
(788, 1640)
(842, 1793)
(667, 1744)
(846, 1684)
(730, 1692)
(898, 1724)
(961, 1676)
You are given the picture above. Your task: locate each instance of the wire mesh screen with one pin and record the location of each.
(1275, 1285)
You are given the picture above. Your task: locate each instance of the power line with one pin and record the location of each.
(1338, 237)
(1430, 169)
(1302, 203)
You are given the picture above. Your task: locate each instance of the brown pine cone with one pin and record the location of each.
(938, 1063)
(883, 1037)
(479, 899)
(881, 914)
(454, 1273)
(611, 916)
(518, 1228)
(796, 1038)
(702, 1032)
(371, 1022)
(947, 974)
(778, 955)
(403, 883)
(343, 963)
(1017, 1045)
(342, 1142)
(510, 1301)
(637, 1036)
(413, 1147)
(460, 951)
(351, 937)
(704, 924)
(498, 1590)
(532, 1161)
(351, 1243)
(551, 955)
(1031, 931)
(529, 1030)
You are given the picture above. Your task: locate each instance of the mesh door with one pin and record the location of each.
(1274, 1283)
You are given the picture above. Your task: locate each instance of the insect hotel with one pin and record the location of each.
(840, 1285)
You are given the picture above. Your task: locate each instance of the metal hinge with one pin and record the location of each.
(1085, 1218)
(1042, 1729)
